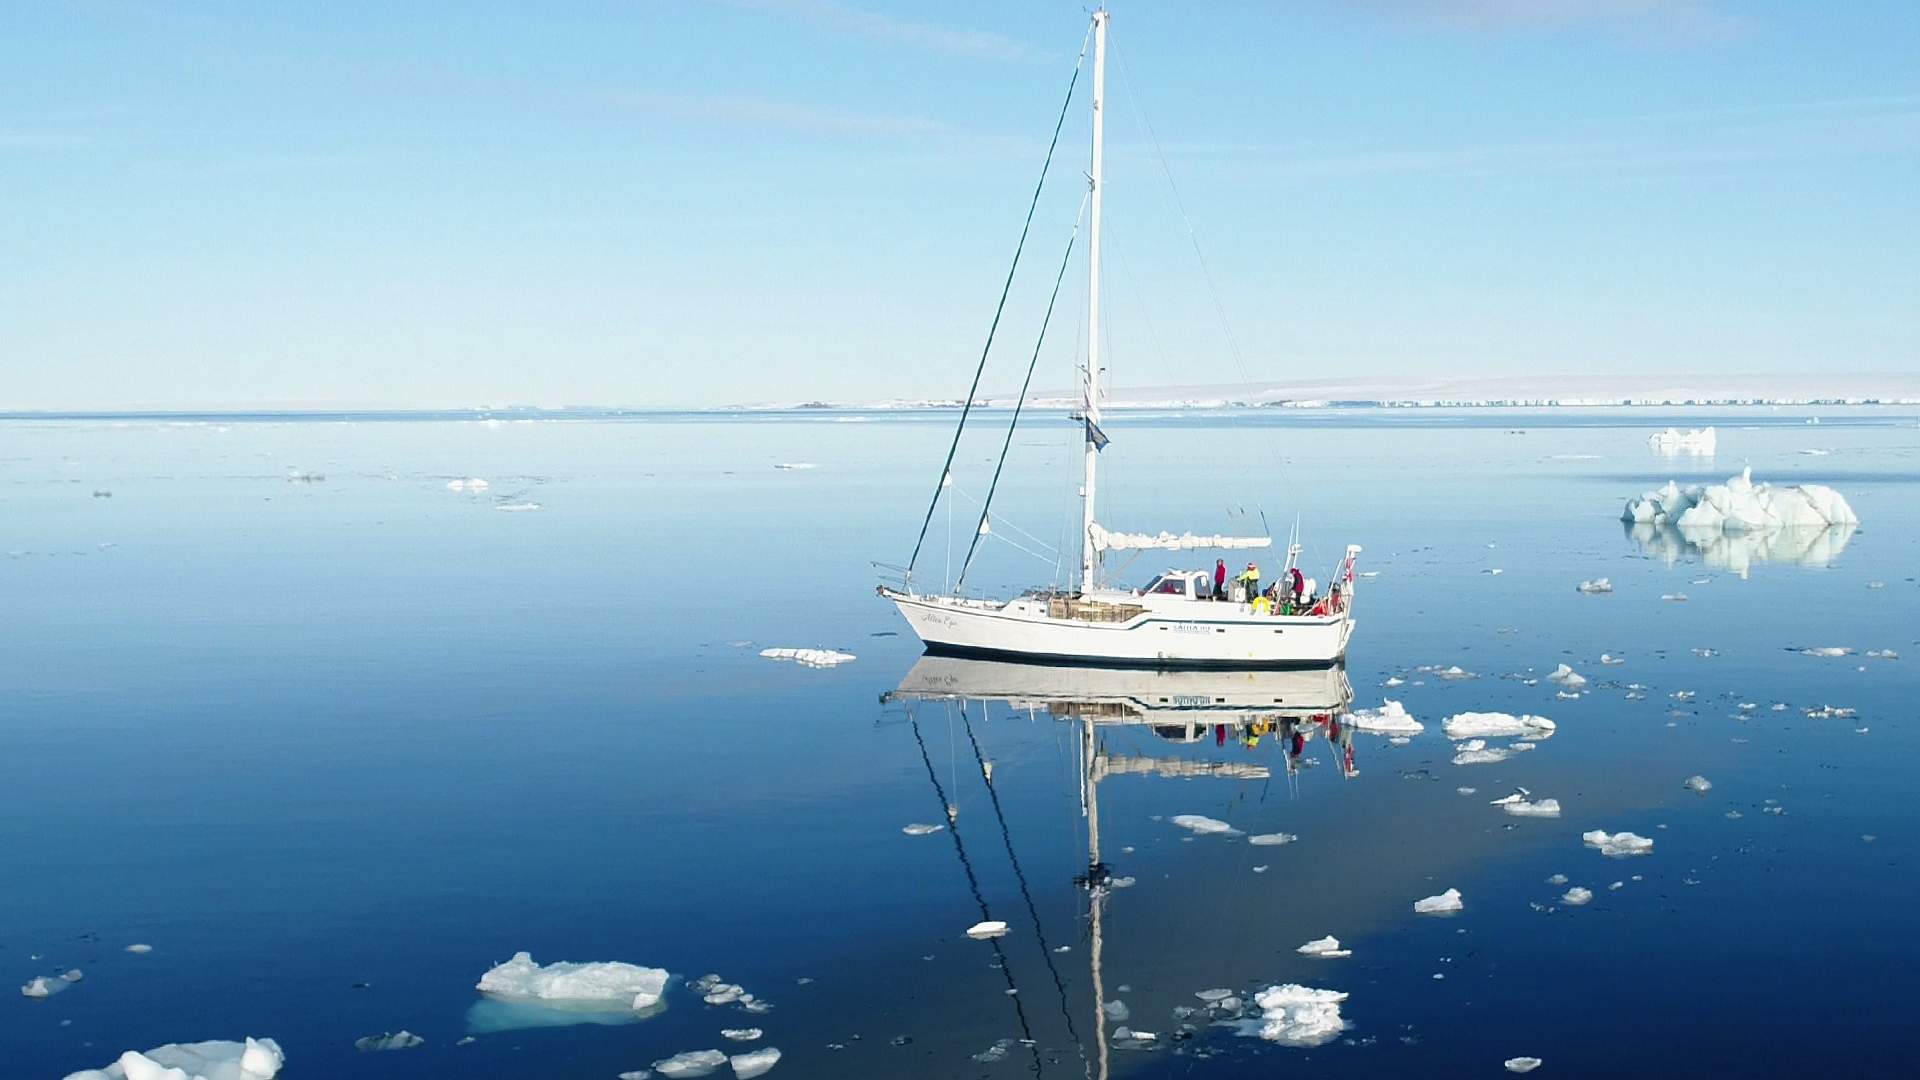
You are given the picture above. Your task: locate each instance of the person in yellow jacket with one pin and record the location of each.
(1250, 577)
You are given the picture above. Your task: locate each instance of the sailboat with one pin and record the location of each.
(1178, 619)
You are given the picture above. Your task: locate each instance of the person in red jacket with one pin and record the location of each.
(1219, 579)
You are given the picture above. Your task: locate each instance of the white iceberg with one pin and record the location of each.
(755, 1062)
(1520, 806)
(1740, 505)
(1327, 948)
(45, 986)
(140, 948)
(989, 928)
(472, 483)
(1699, 785)
(1390, 718)
(1597, 585)
(1617, 844)
(1829, 651)
(1568, 677)
(690, 1063)
(1201, 825)
(524, 507)
(1272, 839)
(602, 982)
(1670, 441)
(794, 466)
(1522, 1064)
(254, 1059)
(918, 829)
(399, 1040)
(1577, 896)
(810, 657)
(1496, 725)
(1445, 903)
(741, 1034)
(1295, 1015)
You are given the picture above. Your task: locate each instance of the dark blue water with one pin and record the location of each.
(335, 747)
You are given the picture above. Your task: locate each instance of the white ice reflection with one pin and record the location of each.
(1737, 552)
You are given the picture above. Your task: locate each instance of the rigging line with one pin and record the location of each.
(1006, 838)
(1226, 328)
(964, 493)
(973, 883)
(1032, 363)
(1001, 307)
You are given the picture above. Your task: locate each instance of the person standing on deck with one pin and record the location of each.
(1219, 579)
(1251, 578)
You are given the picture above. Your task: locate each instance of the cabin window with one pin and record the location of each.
(1171, 586)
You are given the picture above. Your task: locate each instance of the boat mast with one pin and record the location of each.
(1091, 410)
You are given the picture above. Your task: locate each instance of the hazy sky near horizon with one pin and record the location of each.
(624, 202)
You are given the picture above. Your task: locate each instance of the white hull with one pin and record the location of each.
(1200, 634)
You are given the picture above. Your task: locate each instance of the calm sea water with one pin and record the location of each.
(334, 747)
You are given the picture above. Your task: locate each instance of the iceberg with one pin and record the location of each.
(1577, 896)
(599, 983)
(1204, 826)
(1326, 948)
(1617, 844)
(472, 483)
(254, 1059)
(1295, 1015)
(1699, 785)
(139, 948)
(1568, 677)
(810, 657)
(691, 1063)
(1272, 839)
(1444, 904)
(1522, 1064)
(741, 1034)
(989, 928)
(45, 986)
(1740, 505)
(1827, 651)
(1496, 725)
(1670, 441)
(918, 829)
(1597, 585)
(1390, 718)
(1521, 807)
(754, 1063)
(399, 1040)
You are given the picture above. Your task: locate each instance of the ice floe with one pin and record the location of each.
(45, 986)
(754, 1062)
(1882, 654)
(1568, 677)
(741, 1034)
(1496, 725)
(1295, 1015)
(140, 948)
(472, 483)
(254, 1059)
(1740, 505)
(1390, 718)
(1617, 844)
(1577, 896)
(523, 507)
(1701, 441)
(1327, 948)
(1522, 1064)
(1699, 785)
(795, 466)
(1829, 651)
(1445, 903)
(1201, 825)
(690, 1063)
(1596, 586)
(809, 657)
(1271, 839)
(398, 1040)
(987, 928)
(603, 982)
(918, 829)
(1519, 805)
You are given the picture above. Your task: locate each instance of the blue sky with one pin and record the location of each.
(693, 203)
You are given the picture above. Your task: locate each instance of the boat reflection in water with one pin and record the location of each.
(1736, 552)
(1294, 707)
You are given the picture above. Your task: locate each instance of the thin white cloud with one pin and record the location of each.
(1689, 18)
(779, 115)
(916, 33)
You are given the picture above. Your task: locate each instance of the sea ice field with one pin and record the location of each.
(317, 726)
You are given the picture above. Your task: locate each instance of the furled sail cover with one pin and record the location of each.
(1166, 541)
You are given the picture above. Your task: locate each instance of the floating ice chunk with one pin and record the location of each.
(526, 507)
(1882, 654)
(793, 466)
(1214, 995)
(1671, 441)
(1577, 896)
(918, 829)
(1492, 570)
(45, 986)
(1699, 785)
(1455, 673)
(1495, 725)
(1445, 903)
(1466, 790)
(1828, 712)
(1522, 1064)
(723, 994)
(399, 1040)
(140, 948)
(608, 982)
(1391, 717)
(1272, 839)
(1740, 505)
(254, 1059)
(690, 1063)
(1597, 585)
(1394, 680)
(1532, 808)
(809, 657)
(1674, 597)
(989, 928)
(741, 1034)
(1617, 844)
(1116, 1011)
(1827, 651)
(754, 1062)
(1609, 659)
(472, 483)
(1200, 825)
(1327, 948)
(1295, 1015)
(1568, 677)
